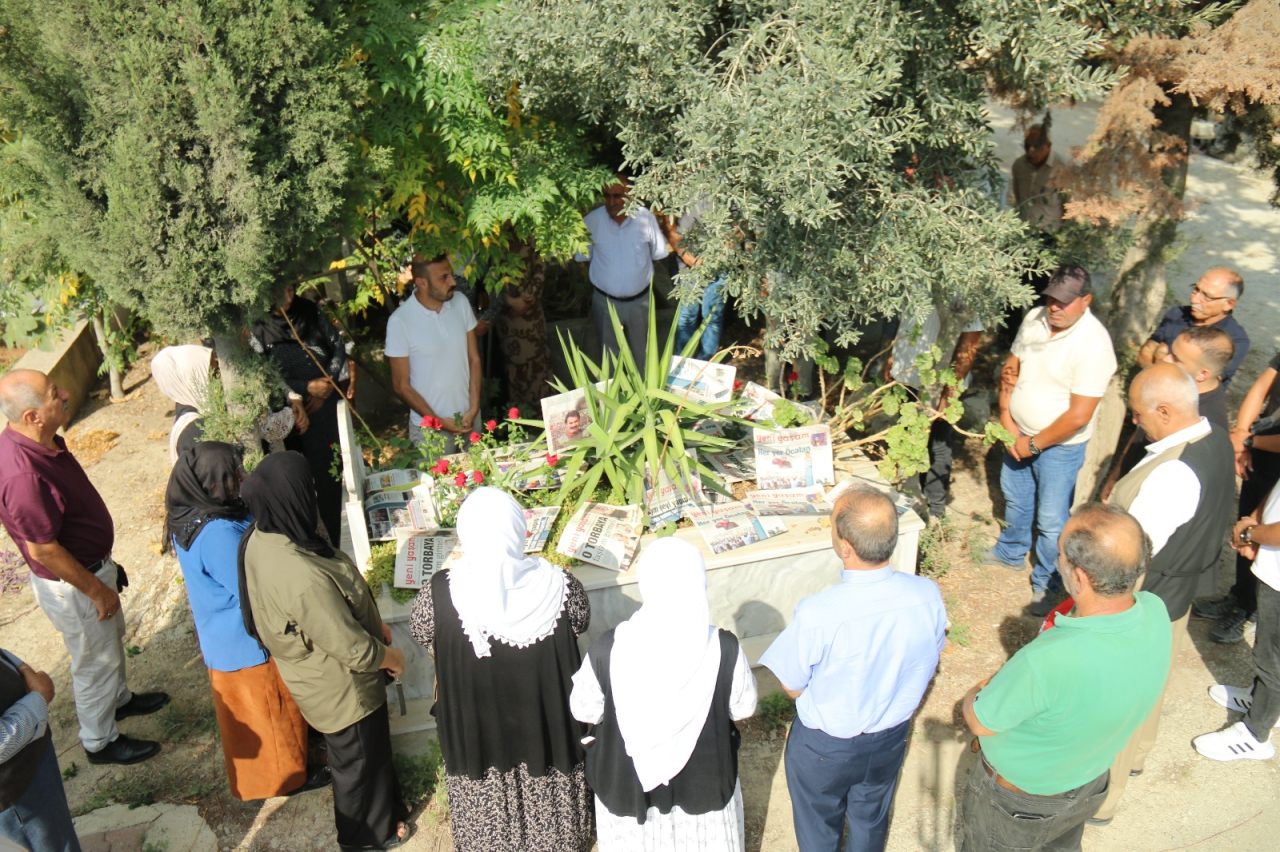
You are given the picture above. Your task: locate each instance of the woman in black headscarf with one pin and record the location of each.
(312, 610)
(310, 369)
(264, 739)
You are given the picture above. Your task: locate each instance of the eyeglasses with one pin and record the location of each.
(1196, 291)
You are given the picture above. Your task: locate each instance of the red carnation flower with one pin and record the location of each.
(513, 414)
(552, 460)
(460, 480)
(737, 385)
(794, 377)
(475, 437)
(442, 466)
(477, 477)
(490, 425)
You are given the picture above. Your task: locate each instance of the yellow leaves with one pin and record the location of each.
(472, 174)
(418, 206)
(511, 179)
(338, 264)
(513, 105)
(497, 229)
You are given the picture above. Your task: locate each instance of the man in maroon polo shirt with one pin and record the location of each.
(64, 531)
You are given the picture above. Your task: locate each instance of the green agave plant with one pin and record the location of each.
(636, 423)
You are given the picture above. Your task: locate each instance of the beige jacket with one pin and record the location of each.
(318, 619)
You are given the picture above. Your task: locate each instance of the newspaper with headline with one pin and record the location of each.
(790, 501)
(419, 555)
(794, 458)
(602, 535)
(730, 525)
(701, 381)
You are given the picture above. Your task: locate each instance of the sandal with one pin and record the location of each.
(394, 843)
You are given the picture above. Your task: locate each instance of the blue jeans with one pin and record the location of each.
(832, 779)
(1038, 490)
(711, 309)
(41, 819)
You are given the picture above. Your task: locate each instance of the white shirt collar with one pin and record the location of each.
(1198, 430)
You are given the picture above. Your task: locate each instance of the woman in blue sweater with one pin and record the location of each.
(264, 738)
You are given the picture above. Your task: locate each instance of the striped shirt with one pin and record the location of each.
(25, 721)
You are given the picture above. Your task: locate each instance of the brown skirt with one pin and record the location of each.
(264, 737)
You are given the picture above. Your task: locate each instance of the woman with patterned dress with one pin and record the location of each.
(264, 738)
(663, 690)
(503, 628)
(522, 328)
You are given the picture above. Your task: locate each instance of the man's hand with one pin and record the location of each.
(386, 633)
(393, 662)
(351, 380)
(887, 372)
(1242, 525)
(1021, 448)
(313, 404)
(105, 600)
(482, 328)
(38, 682)
(300, 419)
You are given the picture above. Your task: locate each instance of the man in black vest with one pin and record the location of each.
(33, 805)
(1182, 493)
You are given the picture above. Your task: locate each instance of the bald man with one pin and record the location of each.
(65, 533)
(1182, 492)
(857, 658)
(1213, 298)
(1050, 723)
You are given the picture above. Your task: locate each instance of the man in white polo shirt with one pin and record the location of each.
(623, 249)
(431, 347)
(1057, 372)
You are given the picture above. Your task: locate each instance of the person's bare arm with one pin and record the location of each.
(793, 694)
(1250, 410)
(1068, 423)
(971, 718)
(404, 390)
(962, 361)
(477, 375)
(67, 568)
(1008, 380)
(1151, 352)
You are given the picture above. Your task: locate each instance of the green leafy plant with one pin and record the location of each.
(637, 426)
(959, 633)
(419, 774)
(382, 571)
(776, 711)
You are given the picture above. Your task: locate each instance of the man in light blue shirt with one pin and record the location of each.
(857, 658)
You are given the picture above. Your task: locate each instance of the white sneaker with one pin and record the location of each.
(1234, 743)
(1235, 698)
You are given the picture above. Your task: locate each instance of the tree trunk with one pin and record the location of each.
(1136, 301)
(229, 352)
(113, 364)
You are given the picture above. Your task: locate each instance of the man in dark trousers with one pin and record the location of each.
(1050, 723)
(63, 529)
(857, 658)
(33, 804)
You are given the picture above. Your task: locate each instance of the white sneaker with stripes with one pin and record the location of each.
(1235, 698)
(1234, 743)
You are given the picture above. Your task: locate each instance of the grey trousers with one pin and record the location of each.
(995, 818)
(1265, 711)
(633, 315)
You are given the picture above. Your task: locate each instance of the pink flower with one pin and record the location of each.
(441, 467)
(552, 460)
(460, 480)
(475, 437)
(490, 425)
(477, 477)
(431, 422)
(513, 414)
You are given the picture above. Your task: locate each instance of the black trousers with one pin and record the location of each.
(1265, 711)
(1266, 471)
(319, 445)
(936, 481)
(367, 804)
(995, 818)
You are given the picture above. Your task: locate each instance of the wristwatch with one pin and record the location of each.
(1246, 534)
(1031, 442)
(1248, 443)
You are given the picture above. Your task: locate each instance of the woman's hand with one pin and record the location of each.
(300, 419)
(393, 662)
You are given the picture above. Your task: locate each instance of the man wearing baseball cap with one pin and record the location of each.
(1050, 387)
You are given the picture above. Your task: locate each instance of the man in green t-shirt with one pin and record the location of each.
(1052, 720)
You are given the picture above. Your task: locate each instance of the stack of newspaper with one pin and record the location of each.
(399, 502)
(730, 525)
(669, 500)
(756, 403)
(701, 381)
(419, 555)
(602, 535)
(794, 458)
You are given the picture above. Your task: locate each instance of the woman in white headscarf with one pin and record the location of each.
(663, 690)
(503, 627)
(182, 373)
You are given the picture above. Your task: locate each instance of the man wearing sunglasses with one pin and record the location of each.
(1212, 299)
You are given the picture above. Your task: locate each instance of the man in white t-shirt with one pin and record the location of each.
(913, 339)
(623, 249)
(432, 351)
(1050, 387)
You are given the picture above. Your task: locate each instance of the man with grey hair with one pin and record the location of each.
(857, 658)
(1213, 298)
(65, 533)
(1182, 492)
(1051, 722)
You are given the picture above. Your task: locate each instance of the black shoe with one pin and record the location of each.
(1232, 628)
(1214, 609)
(124, 751)
(318, 779)
(1134, 773)
(1098, 822)
(141, 704)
